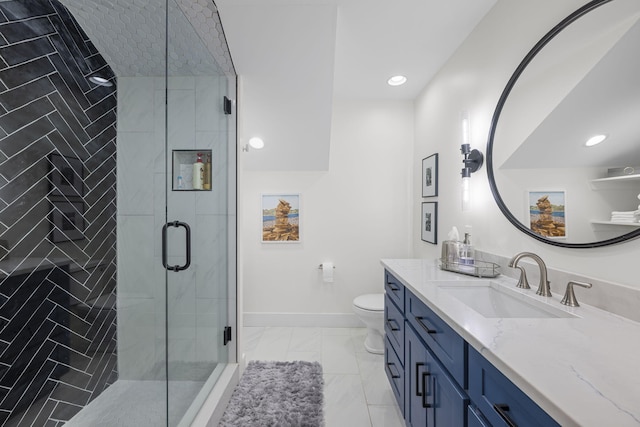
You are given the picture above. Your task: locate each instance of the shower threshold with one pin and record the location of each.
(140, 403)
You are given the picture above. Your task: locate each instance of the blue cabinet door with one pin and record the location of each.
(416, 362)
(432, 397)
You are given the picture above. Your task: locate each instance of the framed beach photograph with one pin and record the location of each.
(547, 213)
(66, 176)
(430, 176)
(429, 222)
(280, 218)
(67, 221)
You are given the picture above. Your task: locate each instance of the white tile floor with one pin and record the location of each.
(356, 390)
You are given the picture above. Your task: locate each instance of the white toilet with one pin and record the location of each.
(370, 309)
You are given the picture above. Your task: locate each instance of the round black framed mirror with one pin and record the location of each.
(581, 79)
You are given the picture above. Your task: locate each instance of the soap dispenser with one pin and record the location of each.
(198, 173)
(467, 253)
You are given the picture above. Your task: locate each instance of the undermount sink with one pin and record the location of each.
(493, 300)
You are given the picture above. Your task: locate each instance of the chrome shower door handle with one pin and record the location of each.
(187, 229)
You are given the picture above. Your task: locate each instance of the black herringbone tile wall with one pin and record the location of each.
(57, 217)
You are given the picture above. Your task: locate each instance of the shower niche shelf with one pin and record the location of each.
(183, 170)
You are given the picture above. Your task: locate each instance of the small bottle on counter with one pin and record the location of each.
(467, 253)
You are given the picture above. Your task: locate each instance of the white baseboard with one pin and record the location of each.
(318, 320)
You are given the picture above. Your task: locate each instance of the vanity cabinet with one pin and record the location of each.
(438, 379)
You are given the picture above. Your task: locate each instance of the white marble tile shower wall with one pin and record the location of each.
(613, 297)
(356, 390)
(140, 273)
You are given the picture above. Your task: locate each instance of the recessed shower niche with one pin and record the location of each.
(191, 170)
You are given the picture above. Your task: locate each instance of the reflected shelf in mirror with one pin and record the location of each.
(623, 181)
(618, 224)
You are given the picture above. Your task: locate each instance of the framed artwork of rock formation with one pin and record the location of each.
(430, 176)
(280, 218)
(547, 213)
(429, 222)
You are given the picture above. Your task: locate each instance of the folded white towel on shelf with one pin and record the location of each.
(625, 213)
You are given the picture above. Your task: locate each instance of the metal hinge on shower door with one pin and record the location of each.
(226, 334)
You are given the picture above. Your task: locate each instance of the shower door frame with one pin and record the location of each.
(181, 283)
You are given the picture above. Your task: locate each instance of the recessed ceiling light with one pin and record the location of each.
(100, 81)
(595, 140)
(256, 143)
(397, 80)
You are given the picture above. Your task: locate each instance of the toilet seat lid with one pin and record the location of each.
(371, 302)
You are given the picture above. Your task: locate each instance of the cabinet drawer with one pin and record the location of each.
(394, 289)
(394, 327)
(499, 400)
(475, 418)
(445, 343)
(395, 373)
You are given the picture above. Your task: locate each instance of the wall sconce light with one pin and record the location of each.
(255, 143)
(473, 160)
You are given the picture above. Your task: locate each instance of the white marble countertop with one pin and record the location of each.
(583, 371)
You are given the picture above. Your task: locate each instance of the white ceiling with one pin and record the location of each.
(296, 57)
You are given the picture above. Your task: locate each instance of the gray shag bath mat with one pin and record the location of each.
(282, 394)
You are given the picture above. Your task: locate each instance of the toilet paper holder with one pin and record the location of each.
(320, 267)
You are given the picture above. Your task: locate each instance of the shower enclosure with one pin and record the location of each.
(117, 211)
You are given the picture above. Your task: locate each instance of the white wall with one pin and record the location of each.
(473, 80)
(352, 215)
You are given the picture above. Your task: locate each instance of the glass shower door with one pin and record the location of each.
(196, 231)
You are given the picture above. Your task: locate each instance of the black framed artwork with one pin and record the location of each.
(430, 176)
(429, 222)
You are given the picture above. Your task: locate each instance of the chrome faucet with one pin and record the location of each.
(543, 288)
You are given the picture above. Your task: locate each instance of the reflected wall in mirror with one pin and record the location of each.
(582, 79)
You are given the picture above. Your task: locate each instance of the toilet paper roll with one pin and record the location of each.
(327, 272)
